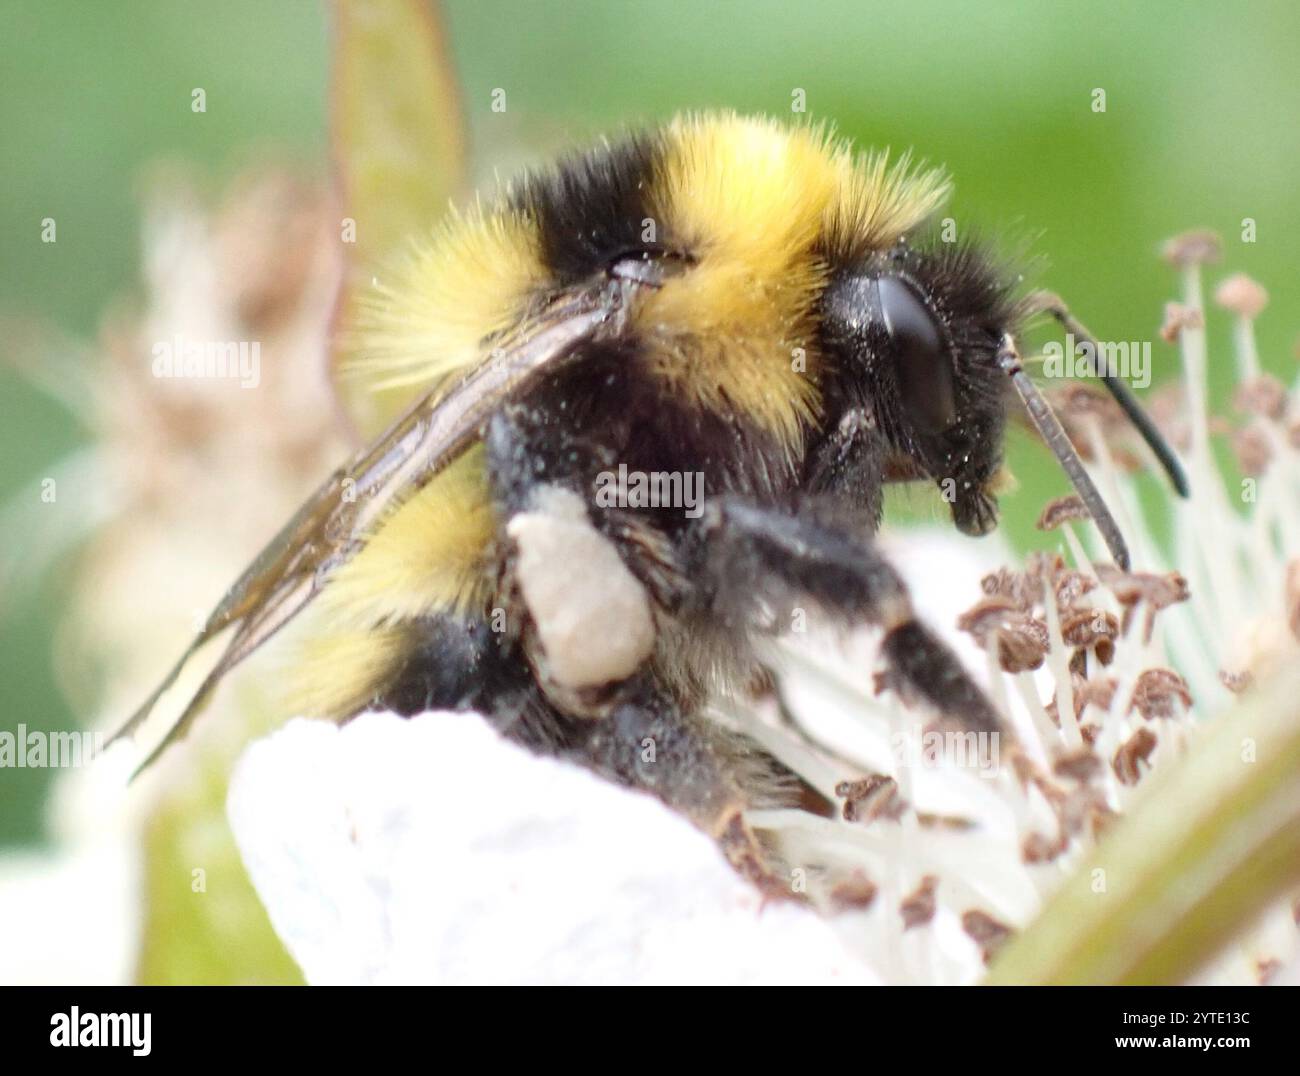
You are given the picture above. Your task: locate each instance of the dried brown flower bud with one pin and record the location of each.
(1192, 248)
(1132, 752)
(1242, 295)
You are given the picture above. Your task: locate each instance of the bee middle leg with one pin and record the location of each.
(745, 552)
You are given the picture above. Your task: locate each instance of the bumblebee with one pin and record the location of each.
(725, 298)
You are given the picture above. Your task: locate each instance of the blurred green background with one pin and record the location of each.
(1199, 129)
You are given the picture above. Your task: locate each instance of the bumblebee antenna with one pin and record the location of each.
(1046, 302)
(1058, 441)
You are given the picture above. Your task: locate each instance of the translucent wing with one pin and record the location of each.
(325, 532)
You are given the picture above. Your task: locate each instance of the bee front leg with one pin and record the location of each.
(749, 557)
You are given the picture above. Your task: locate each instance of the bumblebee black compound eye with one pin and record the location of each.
(923, 364)
(882, 322)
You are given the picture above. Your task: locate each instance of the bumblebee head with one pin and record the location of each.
(915, 335)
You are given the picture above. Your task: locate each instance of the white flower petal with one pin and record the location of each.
(431, 850)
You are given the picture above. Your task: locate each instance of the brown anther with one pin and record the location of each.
(1089, 628)
(1020, 640)
(1083, 409)
(1192, 248)
(1025, 769)
(918, 908)
(1177, 318)
(1083, 810)
(1039, 848)
(1132, 752)
(1078, 399)
(1242, 295)
(1062, 510)
(1219, 426)
(1070, 587)
(854, 894)
(1078, 765)
(1042, 567)
(988, 933)
(953, 822)
(869, 798)
(1131, 588)
(1078, 664)
(1017, 587)
(1253, 449)
(987, 613)
(1098, 692)
(1264, 395)
(1156, 693)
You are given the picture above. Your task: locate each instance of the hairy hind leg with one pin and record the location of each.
(708, 773)
(648, 741)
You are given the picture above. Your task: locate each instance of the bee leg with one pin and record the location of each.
(749, 553)
(528, 448)
(709, 774)
(648, 742)
(850, 458)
